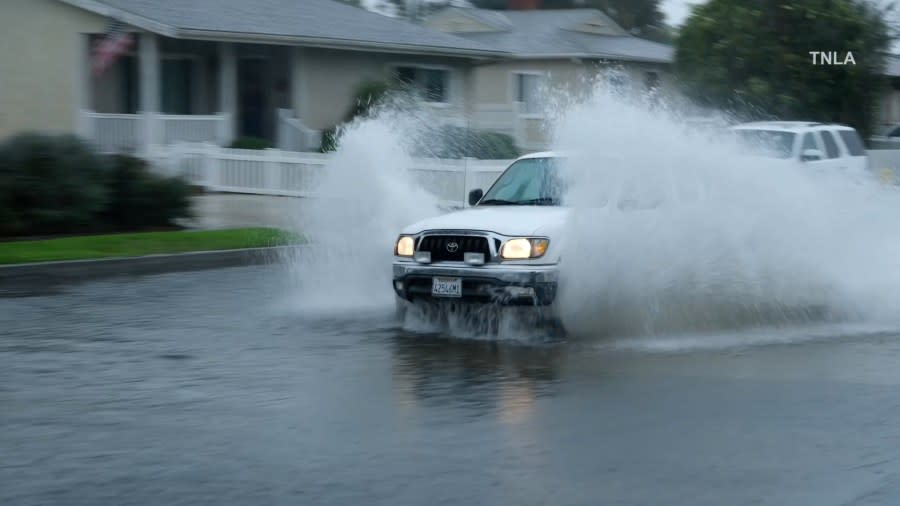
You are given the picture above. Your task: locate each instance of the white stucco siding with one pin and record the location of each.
(495, 92)
(325, 81)
(493, 84)
(42, 64)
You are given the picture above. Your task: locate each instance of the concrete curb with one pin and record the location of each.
(24, 278)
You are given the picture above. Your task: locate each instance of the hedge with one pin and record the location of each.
(57, 184)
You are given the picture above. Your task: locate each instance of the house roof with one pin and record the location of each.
(323, 23)
(582, 33)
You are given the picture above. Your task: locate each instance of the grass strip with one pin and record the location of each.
(142, 243)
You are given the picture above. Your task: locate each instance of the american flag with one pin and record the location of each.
(115, 42)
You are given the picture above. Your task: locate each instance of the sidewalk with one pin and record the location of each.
(231, 210)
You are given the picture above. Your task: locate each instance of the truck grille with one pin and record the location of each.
(442, 249)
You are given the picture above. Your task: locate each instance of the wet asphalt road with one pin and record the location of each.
(211, 388)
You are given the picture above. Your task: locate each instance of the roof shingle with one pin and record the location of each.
(554, 33)
(327, 21)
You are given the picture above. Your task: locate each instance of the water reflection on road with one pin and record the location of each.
(213, 388)
(482, 378)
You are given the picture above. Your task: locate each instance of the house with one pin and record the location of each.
(214, 70)
(284, 70)
(889, 112)
(547, 49)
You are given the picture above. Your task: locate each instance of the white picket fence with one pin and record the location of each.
(289, 173)
(294, 135)
(128, 133)
(113, 133)
(298, 174)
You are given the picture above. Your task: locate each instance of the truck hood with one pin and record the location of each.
(504, 220)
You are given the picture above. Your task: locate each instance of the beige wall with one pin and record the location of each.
(493, 92)
(493, 83)
(888, 108)
(41, 64)
(325, 81)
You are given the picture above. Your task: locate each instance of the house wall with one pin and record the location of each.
(42, 64)
(493, 92)
(494, 83)
(325, 81)
(889, 108)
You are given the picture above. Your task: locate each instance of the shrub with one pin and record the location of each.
(50, 184)
(139, 199)
(56, 184)
(365, 97)
(329, 140)
(250, 143)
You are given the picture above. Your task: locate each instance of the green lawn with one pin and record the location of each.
(144, 243)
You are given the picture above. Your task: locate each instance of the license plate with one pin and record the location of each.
(446, 287)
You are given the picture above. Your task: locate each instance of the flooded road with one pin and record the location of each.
(214, 388)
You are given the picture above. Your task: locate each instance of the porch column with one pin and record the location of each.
(83, 87)
(228, 89)
(298, 83)
(150, 86)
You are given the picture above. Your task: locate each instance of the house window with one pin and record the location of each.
(406, 75)
(651, 81)
(527, 89)
(177, 79)
(431, 84)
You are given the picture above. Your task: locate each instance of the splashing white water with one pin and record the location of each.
(683, 232)
(728, 241)
(365, 198)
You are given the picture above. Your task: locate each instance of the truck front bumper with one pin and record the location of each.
(514, 285)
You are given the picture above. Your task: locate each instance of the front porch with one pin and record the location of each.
(167, 91)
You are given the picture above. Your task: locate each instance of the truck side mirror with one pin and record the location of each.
(810, 155)
(475, 196)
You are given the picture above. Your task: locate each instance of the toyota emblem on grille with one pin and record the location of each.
(452, 247)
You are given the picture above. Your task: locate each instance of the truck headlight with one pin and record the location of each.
(405, 246)
(523, 249)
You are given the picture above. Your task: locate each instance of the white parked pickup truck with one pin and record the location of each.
(818, 145)
(505, 249)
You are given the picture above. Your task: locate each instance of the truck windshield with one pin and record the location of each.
(528, 182)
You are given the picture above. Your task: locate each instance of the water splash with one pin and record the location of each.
(482, 322)
(683, 231)
(672, 229)
(365, 198)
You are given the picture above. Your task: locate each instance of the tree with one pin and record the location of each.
(754, 58)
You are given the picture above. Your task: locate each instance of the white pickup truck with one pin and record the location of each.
(816, 145)
(505, 249)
